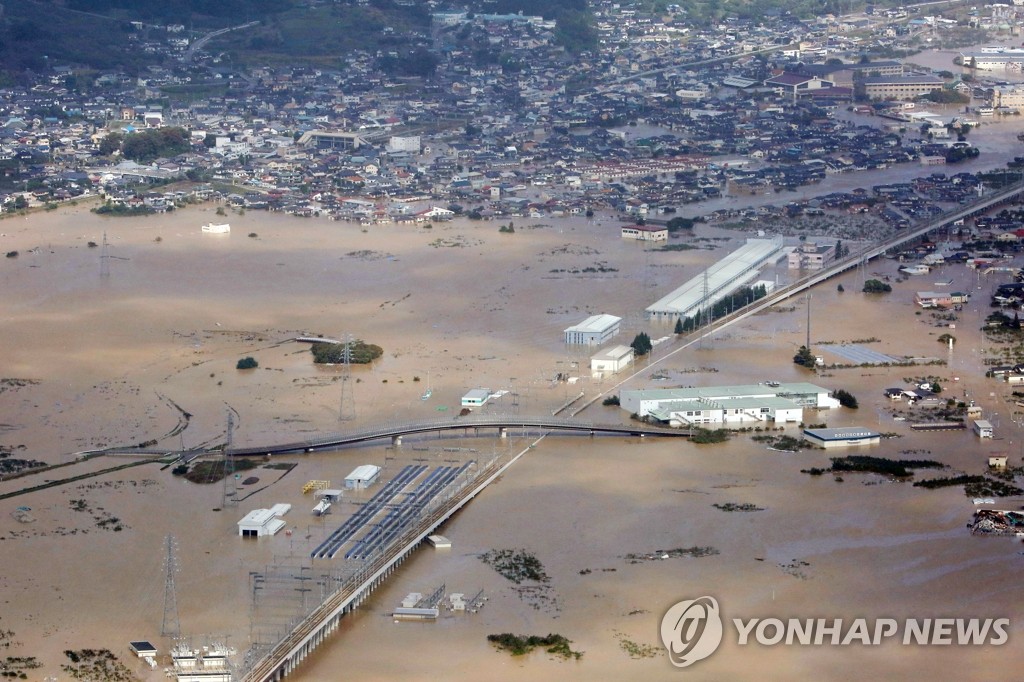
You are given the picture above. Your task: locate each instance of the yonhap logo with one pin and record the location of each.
(691, 630)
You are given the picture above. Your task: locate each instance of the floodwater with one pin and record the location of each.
(942, 60)
(119, 359)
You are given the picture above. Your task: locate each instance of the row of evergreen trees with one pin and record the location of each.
(725, 306)
(642, 344)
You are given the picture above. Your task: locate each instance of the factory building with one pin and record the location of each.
(727, 404)
(594, 330)
(987, 60)
(718, 281)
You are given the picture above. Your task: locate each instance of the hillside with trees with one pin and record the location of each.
(99, 33)
(107, 34)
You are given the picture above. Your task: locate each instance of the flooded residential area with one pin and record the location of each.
(118, 360)
(504, 403)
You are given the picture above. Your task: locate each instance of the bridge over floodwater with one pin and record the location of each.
(501, 424)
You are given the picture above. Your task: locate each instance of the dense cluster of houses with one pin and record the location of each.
(495, 139)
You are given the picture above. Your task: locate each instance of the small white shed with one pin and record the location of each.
(262, 522)
(476, 397)
(362, 476)
(610, 361)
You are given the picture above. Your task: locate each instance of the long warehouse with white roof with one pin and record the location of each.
(718, 281)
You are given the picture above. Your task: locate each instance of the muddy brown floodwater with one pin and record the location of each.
(119, 360)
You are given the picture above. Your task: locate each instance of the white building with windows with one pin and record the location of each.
(812, 256)
(773, 402)
(611, 361)
(409, 143)
(476, 397)
(362, 476)
(645, 233)
(594, 330)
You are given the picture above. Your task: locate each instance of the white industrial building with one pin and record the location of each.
(727, 404)
(843, 437)
(476, 397)
(645, 233)
(993, 61)
(263, 522)
(362, 476)
(718, 281)
(812, 256)
(404, 144)
(611, 361)
(728, 411)
(594, 330)
(1011, 96)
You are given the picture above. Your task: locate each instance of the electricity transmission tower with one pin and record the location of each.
(105, 257)
(170, 626)
(347, 408)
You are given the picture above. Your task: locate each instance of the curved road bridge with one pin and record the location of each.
(503, 424)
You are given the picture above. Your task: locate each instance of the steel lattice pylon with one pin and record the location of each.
(170, 626)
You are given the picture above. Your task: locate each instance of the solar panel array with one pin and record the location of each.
(401, 516)
(401, 513)
(329, 547)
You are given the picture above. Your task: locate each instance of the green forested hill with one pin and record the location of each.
(96, 33)
(99, 33)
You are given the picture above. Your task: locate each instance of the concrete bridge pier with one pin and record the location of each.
(396, 441)
(503, 432)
